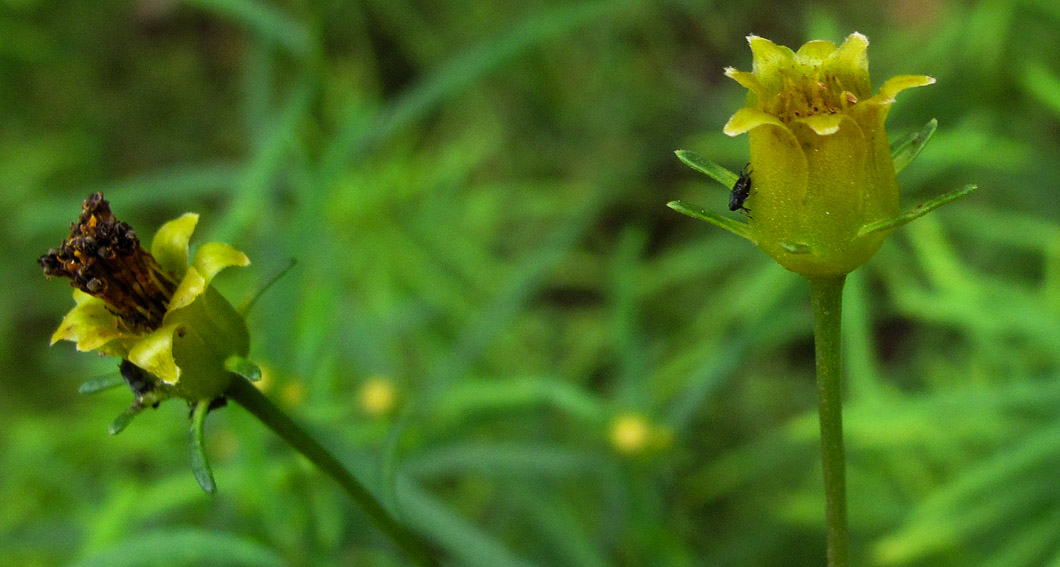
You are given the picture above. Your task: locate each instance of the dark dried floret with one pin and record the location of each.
(102, 257)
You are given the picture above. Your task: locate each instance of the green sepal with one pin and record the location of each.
(100, 383)
(905, 149)
(915, 212)
(122, 421)
(243, 367)
(200, 466)
(707, 167)
(741, 229)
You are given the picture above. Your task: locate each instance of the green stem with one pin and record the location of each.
(827, 296)
(245, 394)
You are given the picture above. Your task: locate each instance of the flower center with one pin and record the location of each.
(103, 258)
(815, 92)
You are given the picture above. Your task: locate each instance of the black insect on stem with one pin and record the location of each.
(740, 190)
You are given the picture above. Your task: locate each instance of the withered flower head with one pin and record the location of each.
(103, 258)
(174, 333)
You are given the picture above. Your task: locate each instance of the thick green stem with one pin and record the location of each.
(245, 394)
(827, 296)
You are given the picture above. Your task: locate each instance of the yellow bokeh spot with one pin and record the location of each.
(630, 433)
(378, 396)
(292, 394)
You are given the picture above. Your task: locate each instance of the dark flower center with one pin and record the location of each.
(103, 258)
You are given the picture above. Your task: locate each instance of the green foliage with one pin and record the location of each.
(475, 195)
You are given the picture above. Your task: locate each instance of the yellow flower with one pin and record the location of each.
(173, 331)
(821, 167)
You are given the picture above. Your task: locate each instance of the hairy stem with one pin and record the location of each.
(827, 295)
(245, 394)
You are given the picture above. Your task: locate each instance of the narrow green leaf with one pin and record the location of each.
(916, 212)
(1042, 84)
(200, 467)
(269, 23)
(182, 547)
(100, 383)
(122, 421)
(705, 166)
(243, 367)
(906, 149)
(253, 300)
(741, 229)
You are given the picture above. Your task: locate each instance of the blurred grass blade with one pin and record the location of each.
(738, 228)
(473, 397)
(705, 166)
(262, 19)
(528, 276)
(265, 163)
(455, 76)
(505, 460)
(200, 466)
(466, 542)
(1043, 85)
(916, 212)
(183, 547)
(905, 150)
(169, 186)
(100, 383)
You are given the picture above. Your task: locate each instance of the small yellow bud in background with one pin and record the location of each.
(630, 433)
(377, 396)
(292, 394)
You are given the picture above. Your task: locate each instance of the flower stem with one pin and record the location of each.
(827, 294)
(245, 394)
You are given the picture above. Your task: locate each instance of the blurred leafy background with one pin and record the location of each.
(475, 194)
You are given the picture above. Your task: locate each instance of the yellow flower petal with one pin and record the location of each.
(189, 288)
(899, 83)
(747, 79)
(154, 353)
(768, 55)
(91, 326)
(170, 244)
(824, 124)
(748, 118)
(853, 54)
(815, 52)
(213, 257)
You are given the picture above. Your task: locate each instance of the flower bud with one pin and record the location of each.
(821, 167)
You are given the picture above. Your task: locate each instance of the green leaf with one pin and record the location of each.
(906, 149)
(200, 467)
(100, 383)
(250, 304)
(705, 166)
(122, 421)
(183, 547)
(243, 367)
(915, 212)
(741, 229)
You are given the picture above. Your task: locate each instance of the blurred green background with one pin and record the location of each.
(494, 318)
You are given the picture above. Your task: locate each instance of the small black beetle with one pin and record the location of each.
(740, 190)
